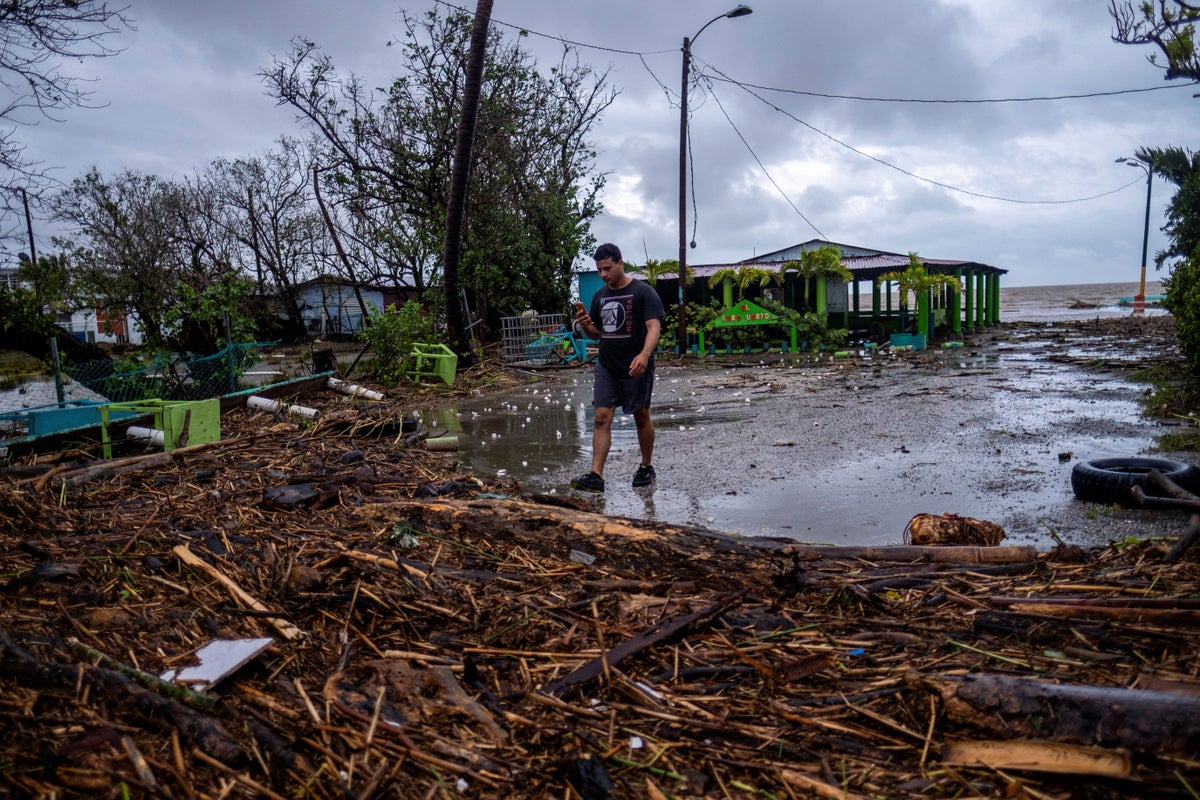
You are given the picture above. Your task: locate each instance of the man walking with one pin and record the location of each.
(630, 315)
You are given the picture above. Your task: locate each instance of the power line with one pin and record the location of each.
(948, 101)
(825, 95)
(909, 173)
(763, 166)
(749, 89)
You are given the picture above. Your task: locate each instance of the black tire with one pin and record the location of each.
(1110, 480)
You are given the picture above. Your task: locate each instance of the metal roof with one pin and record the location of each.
(862, 267)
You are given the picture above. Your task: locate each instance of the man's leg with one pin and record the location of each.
(645, 434)
(602, 437)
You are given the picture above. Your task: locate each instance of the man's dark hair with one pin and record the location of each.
(607, 250)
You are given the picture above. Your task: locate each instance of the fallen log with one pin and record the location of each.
(1134, 719)
(526, 518)
(163, 713)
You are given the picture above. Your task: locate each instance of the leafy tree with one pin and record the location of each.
(919, 282)
(265, 203)
(1167, 24)
(1183, 301)
(124, 246)
(1182, 168)
(143, 245)
(533, 189)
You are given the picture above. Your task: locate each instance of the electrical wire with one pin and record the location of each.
(909, 173)
(951, 101)
(718, 75)
(762, 166)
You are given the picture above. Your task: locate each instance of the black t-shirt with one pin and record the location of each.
(621, 316)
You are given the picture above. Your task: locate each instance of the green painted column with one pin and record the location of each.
(995, 296)
(955, 312)
(727, 292)
(923, 313)
(969, 311)
(822, 303)
(981, 300)
(875, 304)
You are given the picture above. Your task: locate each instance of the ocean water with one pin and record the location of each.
(1077, 301)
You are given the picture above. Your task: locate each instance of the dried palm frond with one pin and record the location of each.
(951, 529)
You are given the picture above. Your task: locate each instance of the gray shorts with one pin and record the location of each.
(631, 394)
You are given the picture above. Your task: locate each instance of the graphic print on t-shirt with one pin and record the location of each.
(614, 315)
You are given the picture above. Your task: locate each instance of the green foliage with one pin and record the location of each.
(49, 280)
(198, 318)
(1183, 301)
(391, 334)
(534, 187)
(811, 329)
(823, 262)
(917, 280)
(21, 314)
(1168, 24)
(655, 269)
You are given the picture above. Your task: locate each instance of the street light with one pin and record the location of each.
(739, 11)
(1139, 302)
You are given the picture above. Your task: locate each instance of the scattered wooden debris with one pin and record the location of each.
(462, 646)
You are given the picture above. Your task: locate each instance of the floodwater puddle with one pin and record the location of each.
(835, 453)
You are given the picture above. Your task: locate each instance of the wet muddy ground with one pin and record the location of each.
(846, 451)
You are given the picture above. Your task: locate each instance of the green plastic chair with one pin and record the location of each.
(433, 361)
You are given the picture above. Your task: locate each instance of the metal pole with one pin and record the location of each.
(29, 227)
(58, 381)
(683, 126)
(1139, 303)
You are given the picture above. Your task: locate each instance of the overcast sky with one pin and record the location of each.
(185, 92)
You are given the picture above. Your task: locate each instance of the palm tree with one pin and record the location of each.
(917, 280)
(822, 264)
(655, 269)
(1182, 168)
(743, 278)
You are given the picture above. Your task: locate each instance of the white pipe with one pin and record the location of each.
(303, 411)
(264, 404)
(353, 390)
(154, 435)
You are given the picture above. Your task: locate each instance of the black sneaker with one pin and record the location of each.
(644, 475)
(588, 483)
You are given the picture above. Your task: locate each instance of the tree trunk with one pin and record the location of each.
(459, 176)
(1137, 719)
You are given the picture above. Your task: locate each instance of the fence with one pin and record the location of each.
(530, 341)
(169, 377)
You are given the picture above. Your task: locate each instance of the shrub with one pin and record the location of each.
(391, 334)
